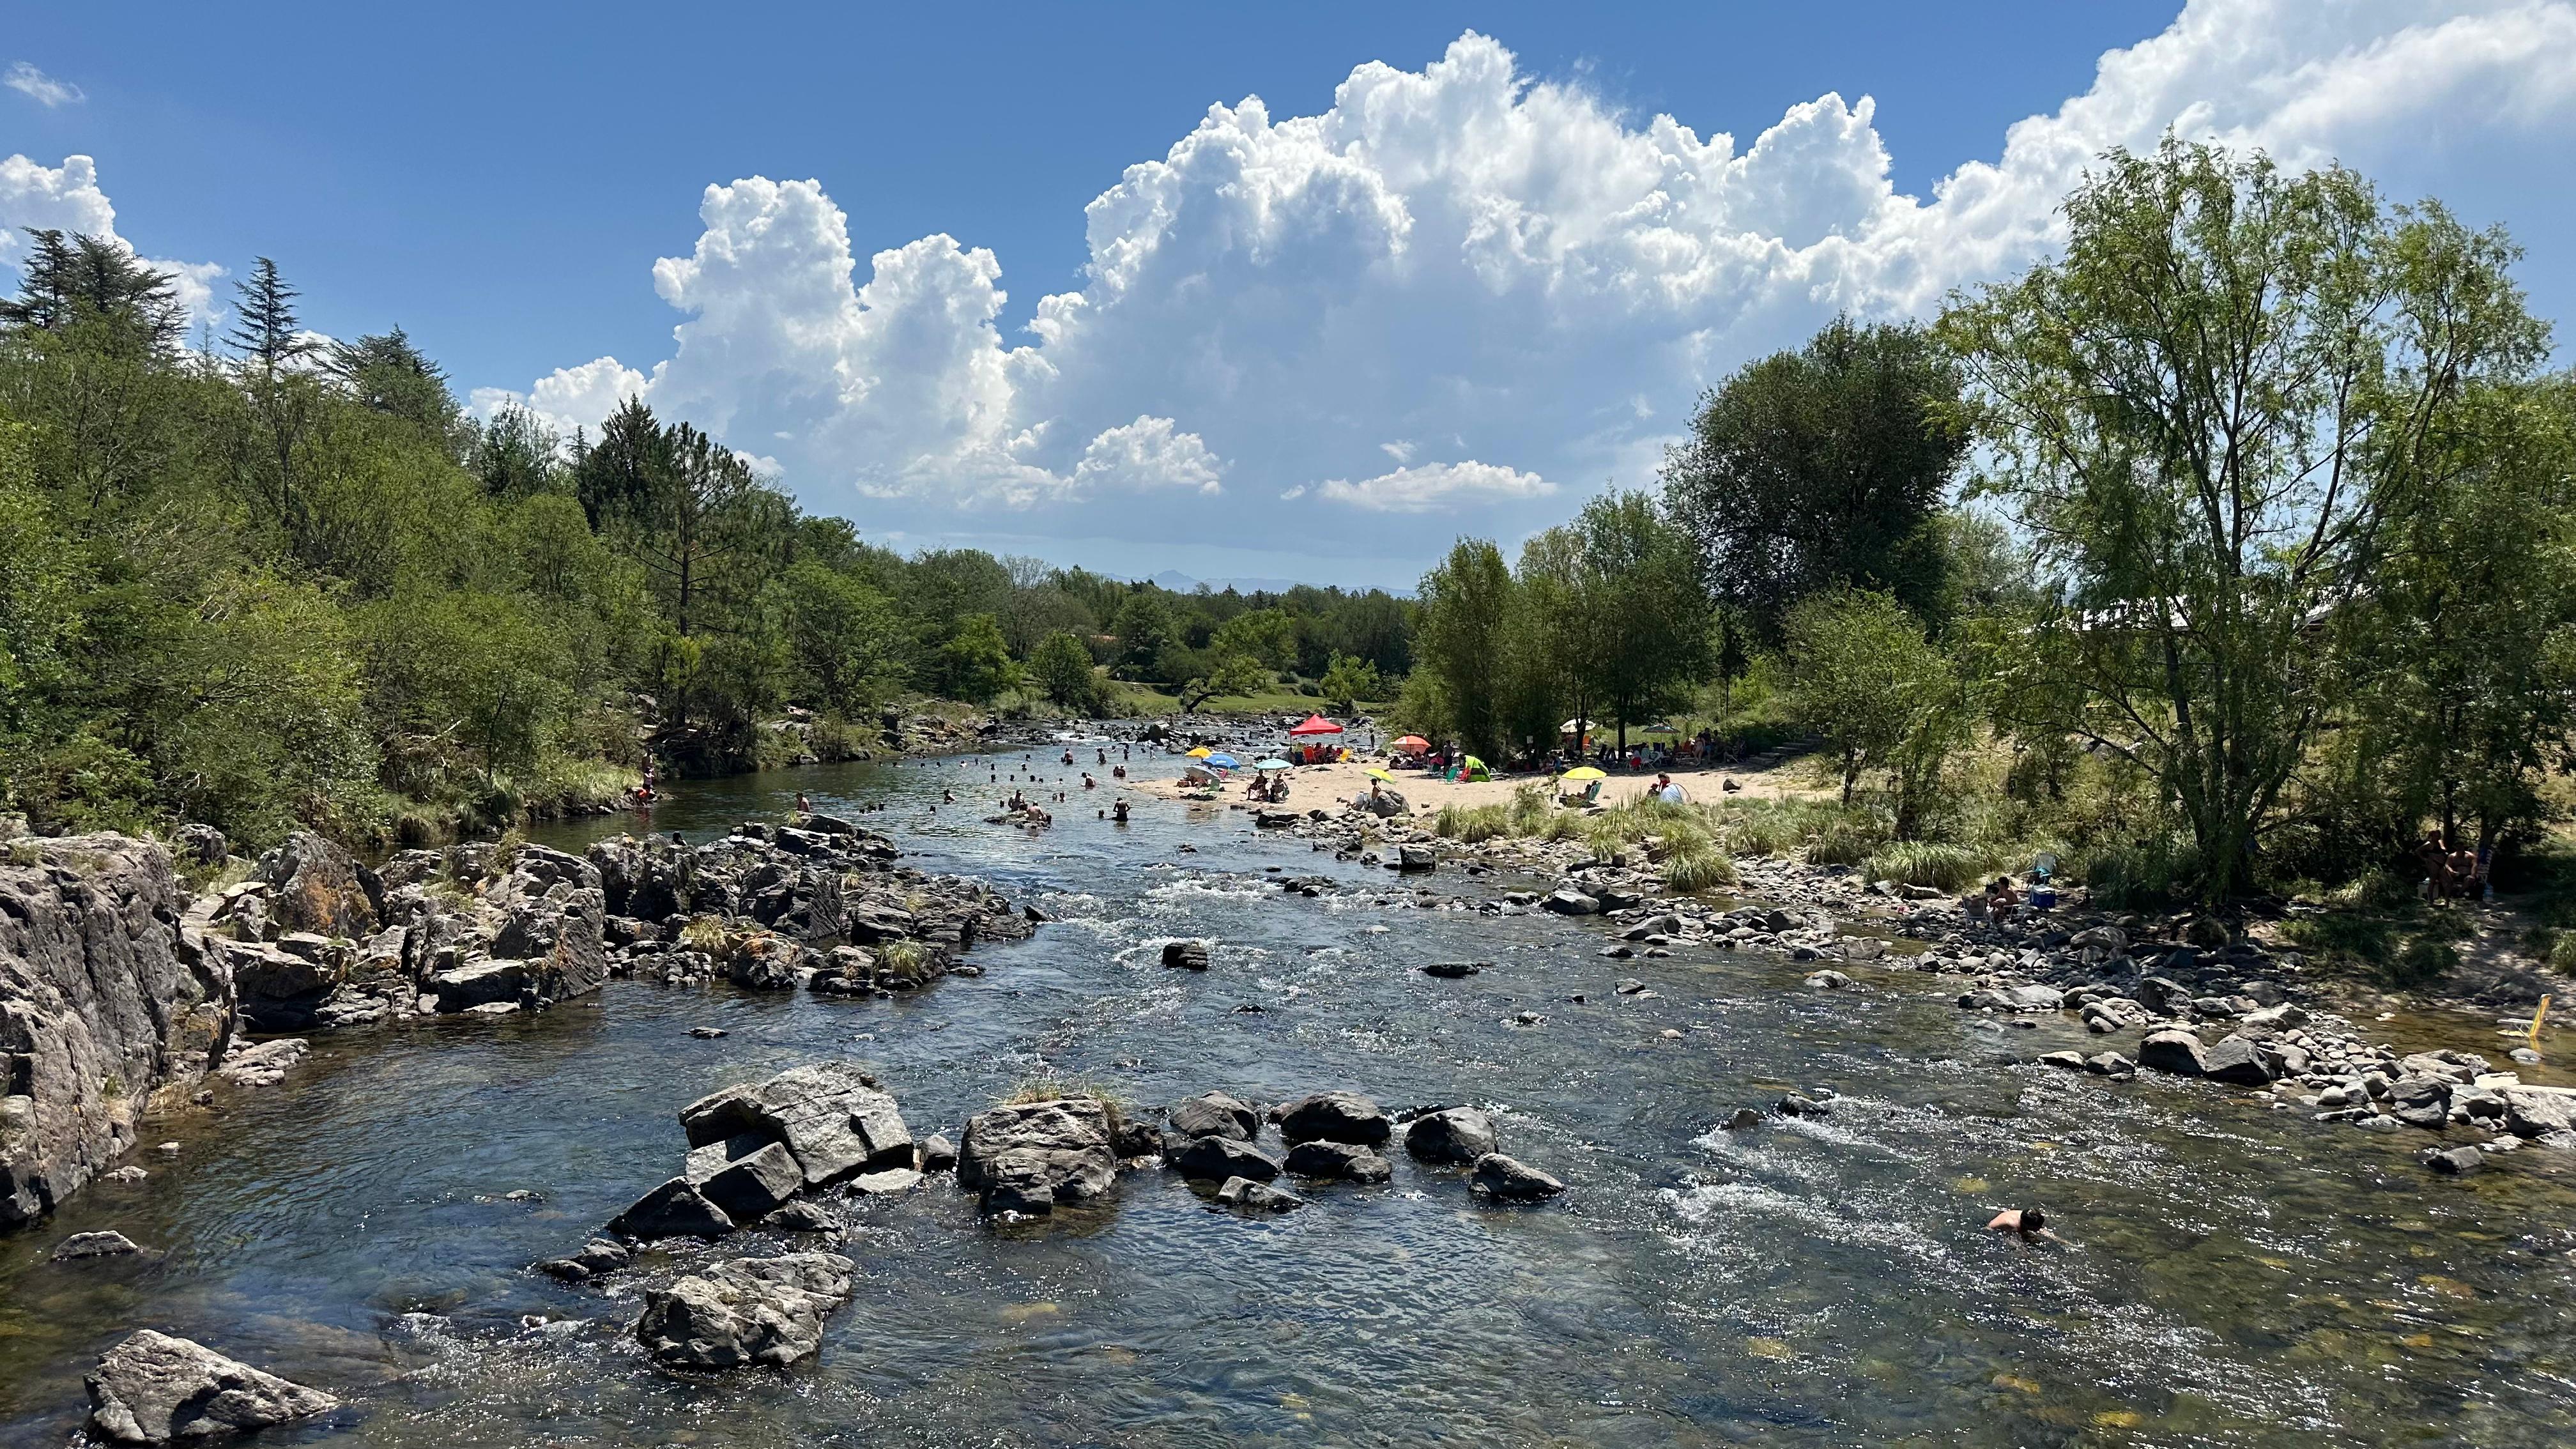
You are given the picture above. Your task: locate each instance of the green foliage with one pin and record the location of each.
(2215, 417)
(1863, 677)
(1348, 680)
(974, 665)
(1061, 666)
(1823, 469)
(1923, 863)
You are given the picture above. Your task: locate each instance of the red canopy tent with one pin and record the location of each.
(1316, 724)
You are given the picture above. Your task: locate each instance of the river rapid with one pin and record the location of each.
(2239, 1275)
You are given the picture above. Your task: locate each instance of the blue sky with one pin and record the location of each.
(501, 181)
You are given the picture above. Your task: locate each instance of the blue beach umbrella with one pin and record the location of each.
(1222, 761)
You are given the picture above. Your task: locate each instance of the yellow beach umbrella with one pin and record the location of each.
(1201, 753)
(1381, 775)
(1583, 772)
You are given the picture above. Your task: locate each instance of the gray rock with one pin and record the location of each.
(1828, 980)
(201, 845)
(1214, 1114)
(597, 1257)
(105, 1000)
(316, 886)
(2162, 995)
(2420, 1101)
(1336, 1117)
(2455, 1161)
(478, 983)
(1743, 1119)
(2234, 1060)
(1338, 1162)
(745, 1311)
(1243, 1192)
(1571, 903)
(745, 1176)
(1186, 955)
(802, 1216)
(676, 1209)
(1454, 970)
(153, 1388)
(830, 1115)
(937, 1154)
(94, 1245)
(2533, 1112)
(1028, 1157)
(2072, 1061)
(2375, 1123)
(2178, 1052)
(1510, 1180)
(1218, 1158)
(2110, 1064)
(1452, 1134)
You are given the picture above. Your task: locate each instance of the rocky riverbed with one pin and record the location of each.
(1376, 1155)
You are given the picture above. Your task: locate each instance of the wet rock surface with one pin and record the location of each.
(154, 1389)
(745, 1311)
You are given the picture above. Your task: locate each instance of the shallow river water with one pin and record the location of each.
(2239, 1276)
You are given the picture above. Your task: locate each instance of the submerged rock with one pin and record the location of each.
(1213, 1114)
(1030, 1157)
(154, 1388)
(597, 1257)
(1508, 1179)
(1243, 1192)
(745, 1311)
(1186, 955)
(94, 1245)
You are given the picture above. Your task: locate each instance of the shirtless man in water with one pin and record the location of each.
(2030, 1225)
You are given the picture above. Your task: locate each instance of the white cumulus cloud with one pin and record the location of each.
(41, 88)
(569, 398)
(1436, 486)
(67, 198)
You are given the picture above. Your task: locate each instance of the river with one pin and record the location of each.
(2239, 1275)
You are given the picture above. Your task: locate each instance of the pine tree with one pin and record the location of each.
(65, 280)
(266, 326)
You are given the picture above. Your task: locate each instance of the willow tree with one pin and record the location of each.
(2211, 417)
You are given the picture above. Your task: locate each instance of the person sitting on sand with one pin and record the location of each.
(2030, 1225)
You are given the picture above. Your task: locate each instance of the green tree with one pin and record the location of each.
(974, 665)
(1061, 666)
(843, 634)
(387, 374)
(66, 282)
(2212, 417)
(1143, 627)
(1466, 612)
(1230, 675)
(1348, 680)
(1864, 678)
(265, 327)
(1822, 468)
(1637, 583)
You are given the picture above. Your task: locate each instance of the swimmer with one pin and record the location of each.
(1089, 783)
(2028, 1224)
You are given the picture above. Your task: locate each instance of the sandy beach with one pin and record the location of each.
(1313, 786)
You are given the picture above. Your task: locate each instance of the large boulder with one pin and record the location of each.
(745, 1176)
(831, 1116)
(1213, 1114)
(316, 886)
(2178, 1052)
(1218, 1158)
(104, 1004)
(1338, 1162)
(153, 1388)
(676, 1209)
(1452, 1134)
(646, 879)
(745, 1311)
(478, 983)
(2538, 1112)
(1335, 1117)
(2420, 1101)
(2234, 1060)
(558, 934)
(1030, 1157)
(1570, 902)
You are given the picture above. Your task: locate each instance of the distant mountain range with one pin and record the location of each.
(1181, 583)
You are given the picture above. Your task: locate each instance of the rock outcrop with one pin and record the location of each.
(1031, 1157)
(745, 1311)
(102, 1008)
(153, 1388)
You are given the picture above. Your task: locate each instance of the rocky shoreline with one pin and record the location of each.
(2179, 996)
(122, 998)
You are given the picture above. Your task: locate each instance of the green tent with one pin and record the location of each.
(1472, 768)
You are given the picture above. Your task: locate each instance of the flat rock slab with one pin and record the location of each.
(1508, 1179)
(830, 1116)
(745, 1311)
(153, 1388)
(1219, 1158)
(1029, 1157)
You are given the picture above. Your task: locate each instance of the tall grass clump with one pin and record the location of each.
(1698, 870)
(1923, 863)
(1473, 824)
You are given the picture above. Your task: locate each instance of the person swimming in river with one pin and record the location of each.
(947, 797)
(1089, 783)
(2029, 1225)
(1118, 813)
